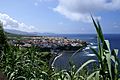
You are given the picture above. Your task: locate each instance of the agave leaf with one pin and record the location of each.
(83, 65)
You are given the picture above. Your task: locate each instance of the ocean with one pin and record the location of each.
(62, 61)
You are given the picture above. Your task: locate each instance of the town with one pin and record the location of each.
(48, 43)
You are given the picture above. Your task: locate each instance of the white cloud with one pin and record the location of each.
(10, 23)
(79, 10)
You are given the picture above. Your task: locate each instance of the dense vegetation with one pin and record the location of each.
(29, 64)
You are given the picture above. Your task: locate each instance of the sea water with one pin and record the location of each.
(62, 62)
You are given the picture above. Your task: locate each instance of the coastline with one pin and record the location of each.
(57, 55)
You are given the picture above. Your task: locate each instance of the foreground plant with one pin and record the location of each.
(4, 46)
(108, 61)
(22, 63)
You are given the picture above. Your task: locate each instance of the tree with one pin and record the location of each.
(3, 39)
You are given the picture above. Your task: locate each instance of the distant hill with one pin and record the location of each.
(17, 32)
(10, 34)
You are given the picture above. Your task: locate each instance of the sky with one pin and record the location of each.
(60, 16)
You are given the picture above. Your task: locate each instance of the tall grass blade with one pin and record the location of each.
(100, 32)
(21, 78)
(96, 53)
(11, 75)
(108, 56)
(98, 29)
(83, 65)
(116, 63)
(96, 26)
(114, 56)
(97, 75)
(91, 76)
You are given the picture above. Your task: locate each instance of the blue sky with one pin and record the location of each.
(60, 16)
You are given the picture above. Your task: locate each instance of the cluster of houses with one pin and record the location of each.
(48, 42)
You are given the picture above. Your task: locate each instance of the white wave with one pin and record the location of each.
(91, 43)
(94, 47)
(90, 55)
(87, 48)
